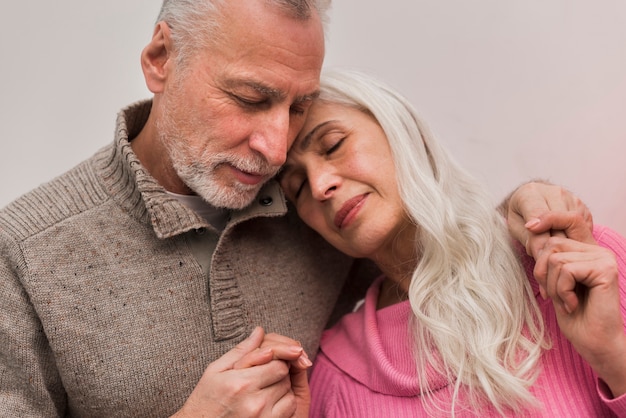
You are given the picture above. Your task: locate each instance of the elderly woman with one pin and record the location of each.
(458, 324)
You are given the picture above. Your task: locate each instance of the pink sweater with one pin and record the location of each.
(365, 367)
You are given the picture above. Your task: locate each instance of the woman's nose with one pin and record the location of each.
(324, 185)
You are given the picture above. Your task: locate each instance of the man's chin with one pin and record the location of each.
(232, 199)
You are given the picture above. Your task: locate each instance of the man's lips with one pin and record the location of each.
(249, 178)
(349, 210)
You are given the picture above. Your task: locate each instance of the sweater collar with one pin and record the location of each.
(133, 188)
(374, 347)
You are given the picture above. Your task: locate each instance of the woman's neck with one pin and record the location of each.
(390, 294)
(397, 260)
(398, 275)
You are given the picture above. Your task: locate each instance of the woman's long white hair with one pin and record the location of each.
(476, 320)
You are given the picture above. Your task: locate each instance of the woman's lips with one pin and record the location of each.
(349, 210)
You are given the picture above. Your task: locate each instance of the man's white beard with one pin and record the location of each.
(199, 174)
(202, 180)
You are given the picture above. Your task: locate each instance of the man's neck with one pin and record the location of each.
(154, 157)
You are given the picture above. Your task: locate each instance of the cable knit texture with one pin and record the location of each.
(105, 311)
(365, 366)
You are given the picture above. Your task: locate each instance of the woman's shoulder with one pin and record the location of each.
(614, 241)
(609, 238)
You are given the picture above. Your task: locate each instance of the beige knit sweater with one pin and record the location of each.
(105, 312)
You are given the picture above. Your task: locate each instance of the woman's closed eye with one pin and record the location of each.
(293, 180)
(303, 181)
(291, 183)
(300, 187)
(334, 147)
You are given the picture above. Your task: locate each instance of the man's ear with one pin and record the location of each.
(157, 58)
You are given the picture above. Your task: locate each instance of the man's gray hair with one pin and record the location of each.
(195, 23)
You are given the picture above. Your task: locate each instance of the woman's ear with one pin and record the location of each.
(157, 58)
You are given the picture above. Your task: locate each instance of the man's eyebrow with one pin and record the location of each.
(306, 140)
(274, 93)
(261, 88)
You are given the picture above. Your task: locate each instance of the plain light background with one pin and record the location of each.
(516, 89)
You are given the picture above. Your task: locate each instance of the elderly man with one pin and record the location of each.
(124, 278)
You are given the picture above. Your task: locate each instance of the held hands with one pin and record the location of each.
(263, 376)
(583, 283)
(286, 348)
(536, 211)
(580, 277)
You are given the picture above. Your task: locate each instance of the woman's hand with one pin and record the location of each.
(582, 281)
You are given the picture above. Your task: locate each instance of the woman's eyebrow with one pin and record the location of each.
(306, 141)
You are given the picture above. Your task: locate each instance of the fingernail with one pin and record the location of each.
(296, 349)
(305, 362)
(532, 222)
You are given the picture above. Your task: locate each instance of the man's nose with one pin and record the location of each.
(271, 138)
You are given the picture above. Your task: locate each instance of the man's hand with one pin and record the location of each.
(253, 380)
(536, 211)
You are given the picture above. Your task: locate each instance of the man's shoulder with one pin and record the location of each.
(71, 193)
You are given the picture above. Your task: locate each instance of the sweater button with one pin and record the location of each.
(266, 201)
